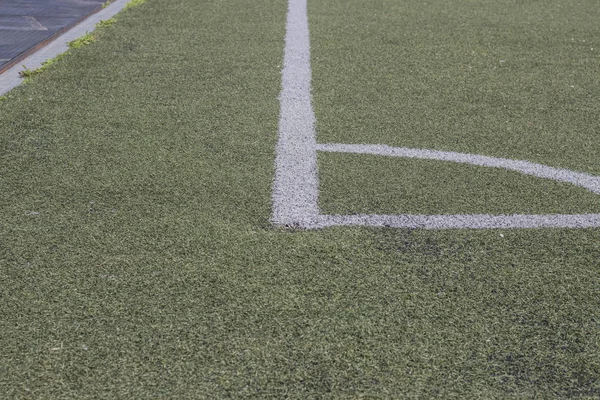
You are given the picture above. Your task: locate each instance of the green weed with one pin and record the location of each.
(28, 73)
(104, 23)
(134, 3)
(82, 41)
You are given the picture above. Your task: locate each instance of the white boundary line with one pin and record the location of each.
(10, 78)
(296, 185)
(459, 221)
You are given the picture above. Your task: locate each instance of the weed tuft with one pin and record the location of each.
(82, 41)
(28, 73)
(105, 23)
(134, 3)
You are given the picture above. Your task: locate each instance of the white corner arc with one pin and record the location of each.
(586, 181)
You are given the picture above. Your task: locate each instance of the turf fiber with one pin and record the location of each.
(137, 258)
(385, 185)
(512, 78)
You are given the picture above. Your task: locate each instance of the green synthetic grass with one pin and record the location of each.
(369, 184)
(510, 78)
(137, 258)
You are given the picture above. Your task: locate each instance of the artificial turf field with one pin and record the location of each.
(514, 79)
(137, 254)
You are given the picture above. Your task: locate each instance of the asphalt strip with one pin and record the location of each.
(296, 184)
(10, 78)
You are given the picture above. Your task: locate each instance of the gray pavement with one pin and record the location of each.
(26, 25)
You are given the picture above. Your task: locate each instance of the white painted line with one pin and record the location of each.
(35, 24)
(589, 182)
(295, 190)
(10, 78)
(32, 25)
(460, 221)
(296, 185)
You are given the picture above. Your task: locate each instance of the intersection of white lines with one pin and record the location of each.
(296, 185)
